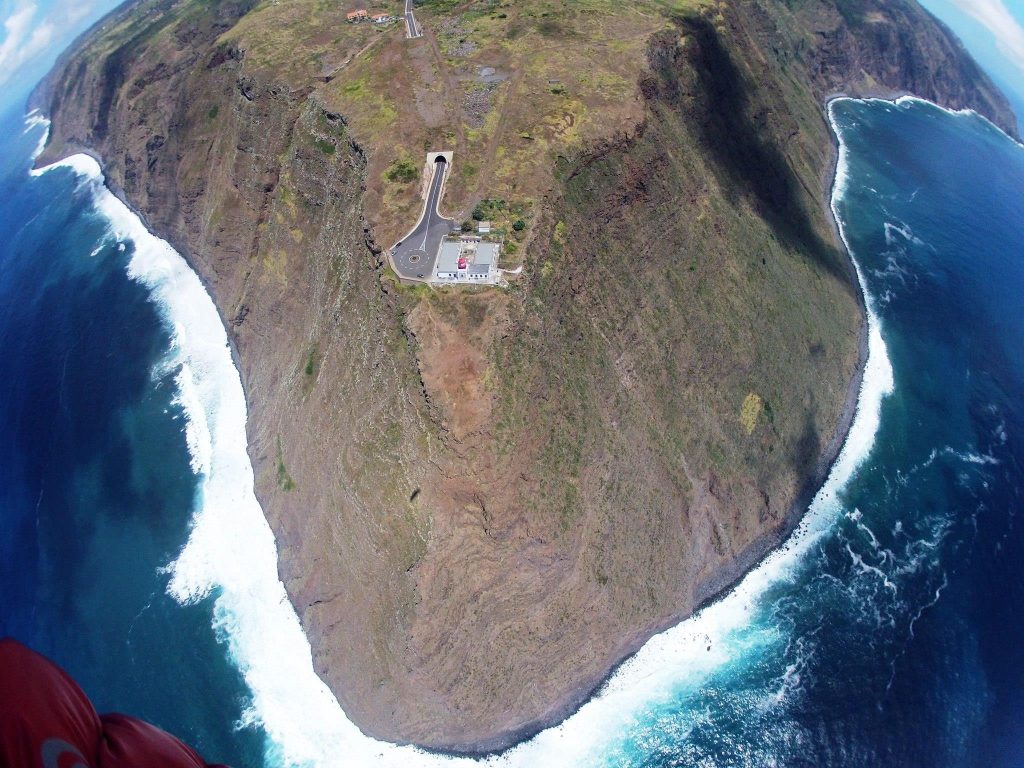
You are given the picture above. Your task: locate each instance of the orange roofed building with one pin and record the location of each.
(356, 15)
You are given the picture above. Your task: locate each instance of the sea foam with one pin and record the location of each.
(231, 552)
(908, 102)
(689, 653)
(33, 120)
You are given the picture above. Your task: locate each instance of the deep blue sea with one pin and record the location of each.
(888, 632)
(96, 488)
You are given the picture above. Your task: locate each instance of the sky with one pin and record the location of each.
(993, 31)
(32, 35)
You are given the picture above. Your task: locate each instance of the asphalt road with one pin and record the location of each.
(413, 256)
(412, 29)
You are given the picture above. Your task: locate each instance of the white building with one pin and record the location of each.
(467, 260)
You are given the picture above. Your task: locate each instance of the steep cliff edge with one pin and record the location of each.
(484, 500)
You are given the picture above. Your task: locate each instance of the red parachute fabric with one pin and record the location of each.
(46, 721)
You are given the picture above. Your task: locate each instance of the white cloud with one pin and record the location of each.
(997, 19)
(23, 40)
(27, 33)
(71, 12)
(17, 27)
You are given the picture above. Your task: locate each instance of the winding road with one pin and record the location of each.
(414, 255)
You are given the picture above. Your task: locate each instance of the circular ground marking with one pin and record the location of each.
(414, 258)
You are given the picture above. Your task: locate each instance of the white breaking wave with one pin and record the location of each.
(907, 101)
(901, 229)
(83, 165)
(231, 552)
(36, 120)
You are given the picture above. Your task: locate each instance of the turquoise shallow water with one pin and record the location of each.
(887, 633)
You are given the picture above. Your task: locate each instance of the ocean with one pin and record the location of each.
(97, 490)
(885, 632)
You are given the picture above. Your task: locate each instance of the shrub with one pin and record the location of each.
(750, 411)
(402, 171)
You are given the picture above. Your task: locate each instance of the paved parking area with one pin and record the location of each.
(413, 257)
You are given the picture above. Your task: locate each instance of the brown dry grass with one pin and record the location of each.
(571, 78)
(570, 71)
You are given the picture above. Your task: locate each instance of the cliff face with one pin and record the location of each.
(483, 501)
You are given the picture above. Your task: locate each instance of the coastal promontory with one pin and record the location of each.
(486, 497)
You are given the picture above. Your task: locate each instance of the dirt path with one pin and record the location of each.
(334, 72)
(452, 91)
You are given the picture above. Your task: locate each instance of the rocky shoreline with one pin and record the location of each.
(458, 594)
(710, 591)
(727, 578)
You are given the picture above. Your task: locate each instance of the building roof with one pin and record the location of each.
(486, 254)
(448, 259)
(483, 256)
(356, 14)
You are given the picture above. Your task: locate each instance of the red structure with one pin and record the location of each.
(46, 721)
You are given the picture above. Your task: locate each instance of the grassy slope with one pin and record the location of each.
(483, 500)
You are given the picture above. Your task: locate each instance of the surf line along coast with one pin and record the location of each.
(217, 441)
